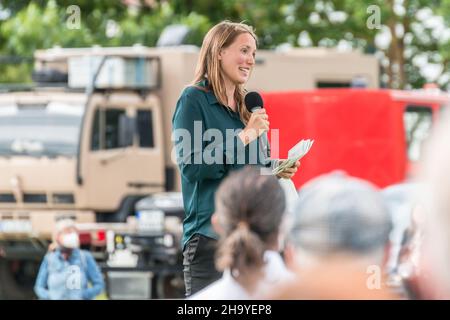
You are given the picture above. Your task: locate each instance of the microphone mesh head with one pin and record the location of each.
(252, 100)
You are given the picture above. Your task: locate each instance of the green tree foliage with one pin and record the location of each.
(414, 39)
(349, 23)
(43, 24)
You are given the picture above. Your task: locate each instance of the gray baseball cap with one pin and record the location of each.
(339, 213)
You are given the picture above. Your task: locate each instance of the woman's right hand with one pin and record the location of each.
(256, 126)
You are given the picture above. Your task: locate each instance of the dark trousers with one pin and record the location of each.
(198, 263)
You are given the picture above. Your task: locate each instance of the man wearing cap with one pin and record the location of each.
(338, 241)
(66, 271)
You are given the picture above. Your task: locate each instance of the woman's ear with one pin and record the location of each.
(215, 223)
(289, 256)
(221, 53)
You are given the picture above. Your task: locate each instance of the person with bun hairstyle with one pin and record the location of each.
(250, 210)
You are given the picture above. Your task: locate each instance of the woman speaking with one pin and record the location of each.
(212, 107)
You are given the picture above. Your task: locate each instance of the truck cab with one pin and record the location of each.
(80, 150)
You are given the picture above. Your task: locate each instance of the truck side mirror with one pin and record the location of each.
(126, 131)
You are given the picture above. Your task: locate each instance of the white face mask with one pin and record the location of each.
(70, 240)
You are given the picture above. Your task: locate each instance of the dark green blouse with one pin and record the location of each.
(205, 157)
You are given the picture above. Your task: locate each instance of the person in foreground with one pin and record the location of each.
(433, 281)
(249, 217)
(338, 241)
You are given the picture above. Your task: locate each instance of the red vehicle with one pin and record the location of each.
(376, 135)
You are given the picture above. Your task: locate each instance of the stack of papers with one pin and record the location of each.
(295, 154)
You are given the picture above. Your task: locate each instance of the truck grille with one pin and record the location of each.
(7, 198)
(63, 198)
(34, 198)
(57, 198)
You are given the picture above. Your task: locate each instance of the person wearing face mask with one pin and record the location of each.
(67, 270)
(214, 134)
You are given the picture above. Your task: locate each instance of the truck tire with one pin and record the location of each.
(10, 288)
(170, 286)
(126, 209)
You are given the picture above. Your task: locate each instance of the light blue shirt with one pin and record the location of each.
(60, 279)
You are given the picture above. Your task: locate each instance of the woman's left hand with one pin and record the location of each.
(288, 173)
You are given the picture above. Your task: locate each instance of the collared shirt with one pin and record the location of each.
(61, 279)
(208, 148)
(227, 288)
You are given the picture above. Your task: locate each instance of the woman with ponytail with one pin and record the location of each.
(249, 214)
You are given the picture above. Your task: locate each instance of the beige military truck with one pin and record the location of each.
(92, 147)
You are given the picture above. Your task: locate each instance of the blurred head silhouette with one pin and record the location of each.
(436, 176)
(249, 214)
(337, 214)
(339, 234)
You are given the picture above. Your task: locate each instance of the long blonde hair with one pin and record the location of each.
(208, 67)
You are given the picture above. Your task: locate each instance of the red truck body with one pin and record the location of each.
(362, 132)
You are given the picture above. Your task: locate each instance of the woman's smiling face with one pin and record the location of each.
(238, 59)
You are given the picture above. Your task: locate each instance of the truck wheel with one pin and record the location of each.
(16, 279)
(170, 286)
(126, 209)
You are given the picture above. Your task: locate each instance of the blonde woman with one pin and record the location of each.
(222, 135)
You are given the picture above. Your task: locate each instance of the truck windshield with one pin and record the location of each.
(49, 129)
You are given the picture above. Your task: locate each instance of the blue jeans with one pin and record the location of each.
(198, 263)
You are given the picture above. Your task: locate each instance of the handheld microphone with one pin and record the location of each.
(253, 101)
